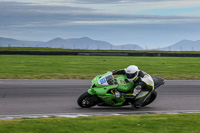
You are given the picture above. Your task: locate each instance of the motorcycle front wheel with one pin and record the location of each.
(86, 100)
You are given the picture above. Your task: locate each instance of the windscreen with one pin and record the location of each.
(110, 80)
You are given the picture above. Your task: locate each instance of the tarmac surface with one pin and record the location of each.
(59, 97)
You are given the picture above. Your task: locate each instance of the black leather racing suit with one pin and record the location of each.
(147, 85)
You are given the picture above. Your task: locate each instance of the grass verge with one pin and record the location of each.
(154, 123)
(79, 50)
(87, 67)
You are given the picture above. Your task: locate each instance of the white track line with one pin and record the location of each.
(74, 115)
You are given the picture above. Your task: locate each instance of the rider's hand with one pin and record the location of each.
(138, 87)
(137, 90)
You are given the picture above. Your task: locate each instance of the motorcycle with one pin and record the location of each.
(105, 88)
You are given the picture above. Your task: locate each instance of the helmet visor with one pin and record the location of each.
(131, 75)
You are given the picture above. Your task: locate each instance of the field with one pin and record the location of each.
(155, 123)
(86, 67)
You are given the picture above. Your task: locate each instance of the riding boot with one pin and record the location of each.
(139, 102)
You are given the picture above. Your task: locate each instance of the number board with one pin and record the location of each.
(103, 80)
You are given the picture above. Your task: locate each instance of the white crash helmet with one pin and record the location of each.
(131, 72)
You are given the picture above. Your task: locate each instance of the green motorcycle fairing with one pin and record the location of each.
(102, 85)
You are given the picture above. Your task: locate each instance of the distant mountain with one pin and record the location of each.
(184, 45)
(8, 42)
(77, 43)
(55, 43)
(90, 44)
(72, 43)
(87, 43)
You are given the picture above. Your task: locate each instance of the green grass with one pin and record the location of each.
(78, 50)
(65, 67)
(156, 123)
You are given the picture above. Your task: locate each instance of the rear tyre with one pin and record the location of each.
(150, 99)
(86, 100)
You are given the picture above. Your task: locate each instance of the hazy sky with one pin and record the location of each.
(149, 23)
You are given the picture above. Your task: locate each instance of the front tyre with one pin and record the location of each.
(87, 100)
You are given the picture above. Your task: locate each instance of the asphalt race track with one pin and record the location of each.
(26, 97)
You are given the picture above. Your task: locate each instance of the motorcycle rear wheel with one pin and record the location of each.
(86, 100)
(150, 99)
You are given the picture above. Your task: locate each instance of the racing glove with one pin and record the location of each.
(114, 72)
(137, 90)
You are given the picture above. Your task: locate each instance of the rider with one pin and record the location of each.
(143, 84)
